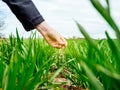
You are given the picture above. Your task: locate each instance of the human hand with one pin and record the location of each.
(52, 37)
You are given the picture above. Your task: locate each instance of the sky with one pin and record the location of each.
(60, 14)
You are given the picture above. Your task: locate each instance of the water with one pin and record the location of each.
(61, 14)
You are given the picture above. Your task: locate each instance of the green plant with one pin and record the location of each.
(98, 68)
(25, 64)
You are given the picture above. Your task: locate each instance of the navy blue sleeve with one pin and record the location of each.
(26, 12)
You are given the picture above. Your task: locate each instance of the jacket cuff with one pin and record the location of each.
(37, 20)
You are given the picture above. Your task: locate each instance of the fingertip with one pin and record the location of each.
(64, 41)
(57, 46)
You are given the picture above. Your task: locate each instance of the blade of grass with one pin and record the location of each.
(90, 41)
(115, 51)
(92, 78)
(104, 12)
(108, 6)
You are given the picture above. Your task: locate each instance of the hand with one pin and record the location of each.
(51, 36)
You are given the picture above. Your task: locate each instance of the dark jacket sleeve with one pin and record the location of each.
(26, 12)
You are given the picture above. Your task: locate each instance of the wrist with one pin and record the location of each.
(43, 26)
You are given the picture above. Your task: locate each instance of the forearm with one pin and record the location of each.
(26, 12)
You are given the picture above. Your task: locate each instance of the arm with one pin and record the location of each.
(26, 12)
(30, 18)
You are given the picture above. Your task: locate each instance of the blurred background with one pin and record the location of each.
(60, 14)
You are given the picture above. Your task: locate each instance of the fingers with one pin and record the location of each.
(60, 44)
(64, 41)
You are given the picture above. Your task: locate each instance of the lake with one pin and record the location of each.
(61, 14)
